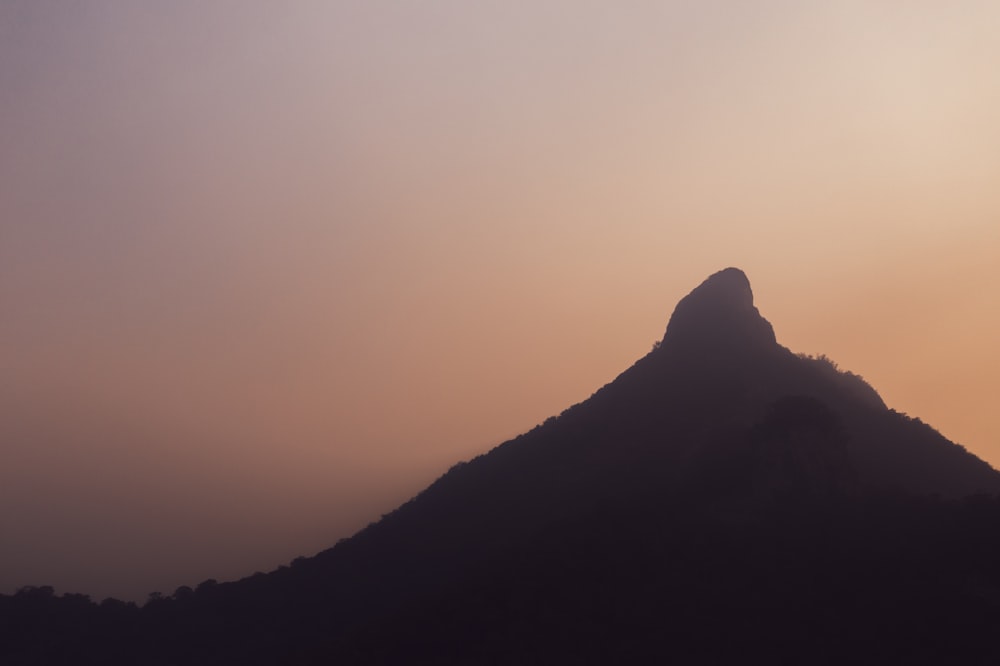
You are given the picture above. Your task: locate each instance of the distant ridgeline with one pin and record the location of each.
(723, 500)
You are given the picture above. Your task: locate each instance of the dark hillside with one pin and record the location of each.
(721, 499)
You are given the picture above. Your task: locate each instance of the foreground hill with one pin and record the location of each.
(721, 499)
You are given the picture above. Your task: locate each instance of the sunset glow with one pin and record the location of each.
(268, 269)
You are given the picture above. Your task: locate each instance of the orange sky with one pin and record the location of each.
(267, 269)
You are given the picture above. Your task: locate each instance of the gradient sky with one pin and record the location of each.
(269, 268)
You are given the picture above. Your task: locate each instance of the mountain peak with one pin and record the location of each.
(719, 310)
(729, 288)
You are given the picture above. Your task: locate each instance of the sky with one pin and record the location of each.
(268, 269)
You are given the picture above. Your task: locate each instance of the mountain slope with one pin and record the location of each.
(716, 491)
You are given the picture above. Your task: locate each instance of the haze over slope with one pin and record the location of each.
(234, 235)
(722, 498)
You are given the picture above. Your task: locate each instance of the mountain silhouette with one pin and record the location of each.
(722, 499)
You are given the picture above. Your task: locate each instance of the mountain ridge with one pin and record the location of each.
(707, 484)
